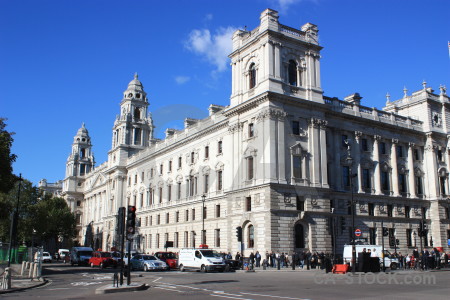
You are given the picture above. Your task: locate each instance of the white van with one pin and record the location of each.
(200, 259)
(63, 253)
(376, 251)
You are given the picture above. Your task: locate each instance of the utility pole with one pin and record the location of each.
(14, 223)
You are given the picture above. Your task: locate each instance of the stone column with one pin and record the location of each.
(323, 154)
(357, 159)
(277, 61)
(431, 177)
(376, 159)
(281, 115)
(314, 148)
(411, 179)
(395, 187)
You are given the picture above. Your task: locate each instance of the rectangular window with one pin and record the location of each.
(142, 177)
(248, 203)
(186, 239)
(167, 218)
(137, 136)
(141, 200)
(206, 152)
(193, 214)
(399, 151)
(384, 181)
(177, 216)
(402, 183)
(251, 130)
(409, 237)
(175, 240)
(440, 156)
(135, 178)
(170, 166)
(151, 172)
(250, 168)
(179, 162)
(364, 145)
(416, 154)
(160, 194)
(157, 240)
(382, 148)
(373, 236)
(161, 168)
(296, 127)
(169, 192)
(407, 212)
(390, 210)
(150, 222)
(219, 180)
(419, 186)
(218, 211)
(217, 237)
(186, 215)
(179, 190)
(346, 176)
(206, 183)
(300, 203)
(219, 147)
(192, 157)
(297, 165)
(371, 209)
(158, 219)
(149, 240)
(366, 179)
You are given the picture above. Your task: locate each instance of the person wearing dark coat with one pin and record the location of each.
(252, 260)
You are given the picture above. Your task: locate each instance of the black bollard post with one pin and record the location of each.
(278, 264)
(264, 264)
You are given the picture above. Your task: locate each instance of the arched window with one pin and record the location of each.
(251, 236)
(137, 113)
(299, 236)
(292, 73)
(252, 76)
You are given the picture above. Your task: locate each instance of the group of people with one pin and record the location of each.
(303, 259)
(424, 260)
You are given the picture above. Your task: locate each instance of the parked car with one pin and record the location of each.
(147, 262)
(102, 260)
(170, 258)
(46, 257)
(80, 255)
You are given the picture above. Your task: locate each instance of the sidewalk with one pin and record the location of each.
(19, 283)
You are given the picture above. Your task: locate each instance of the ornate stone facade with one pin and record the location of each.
(276, 161)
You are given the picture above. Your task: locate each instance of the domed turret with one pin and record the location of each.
(135, 90)
(81, 160)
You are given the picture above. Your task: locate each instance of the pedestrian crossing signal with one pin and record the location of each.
(131, 220)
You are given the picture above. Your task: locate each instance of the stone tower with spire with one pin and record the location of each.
(133, 128)
(79, 163)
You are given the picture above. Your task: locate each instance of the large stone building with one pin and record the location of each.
(278, 161)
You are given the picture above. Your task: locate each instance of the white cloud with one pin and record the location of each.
(213, 47)
(283, 5)
(208, 17)
(182, 79)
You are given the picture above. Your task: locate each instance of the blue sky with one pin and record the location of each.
(66, 62)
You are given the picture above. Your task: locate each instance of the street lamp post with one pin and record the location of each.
(203, 219)
(352, 203)
(414, 235)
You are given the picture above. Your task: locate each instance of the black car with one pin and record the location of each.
(232, 265)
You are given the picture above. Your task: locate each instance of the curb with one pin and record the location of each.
(45, 281)
(108, 289)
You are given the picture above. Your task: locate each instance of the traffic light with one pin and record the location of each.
(385, 231)
(342, 223)
(239, 233)
(392, 241)
(397, 241)
(131, 220)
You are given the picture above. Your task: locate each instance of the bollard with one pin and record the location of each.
(8, 278)
(24, 264)
(30, 272)
(293, 266)
(27, 265)
(278, 264)
(35, 270)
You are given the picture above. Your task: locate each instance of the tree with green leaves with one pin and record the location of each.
(53, 220)
(7, 178)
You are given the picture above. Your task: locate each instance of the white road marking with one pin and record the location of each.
(228, 294)
(189, 287)
(57, 289)
(157, 279)
(161, 288)
(217, 295)
(272, 296)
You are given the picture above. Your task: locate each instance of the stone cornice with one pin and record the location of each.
(247, 105)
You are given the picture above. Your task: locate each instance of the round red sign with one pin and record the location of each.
(358, 232)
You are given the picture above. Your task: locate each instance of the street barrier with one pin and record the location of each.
(340, 269)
